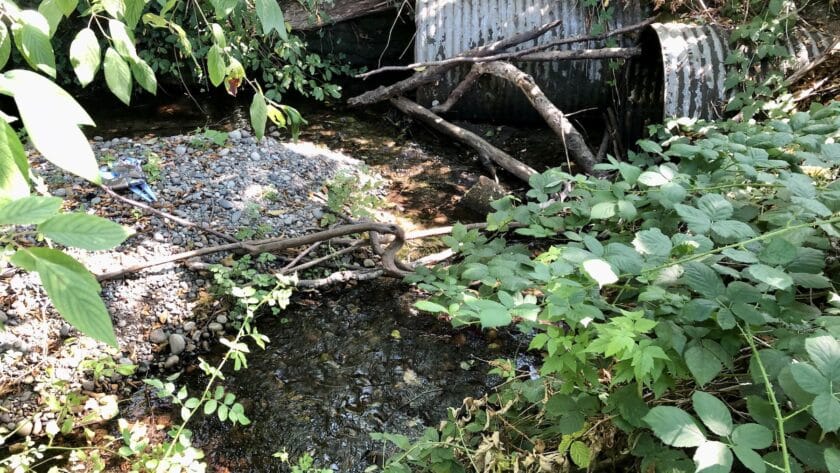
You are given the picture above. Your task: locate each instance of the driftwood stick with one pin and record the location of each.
(160, 213)
(320, 260)
(458, 91)
(432, 73)
(504, 160)
(572, 139)
(579, 54)
(273, 245)
(515, 55)
(300, 256)
(339, 277)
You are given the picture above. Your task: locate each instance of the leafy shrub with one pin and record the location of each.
(707, 264)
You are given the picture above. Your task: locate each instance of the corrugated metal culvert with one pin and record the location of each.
(448, 27)
(682, 70)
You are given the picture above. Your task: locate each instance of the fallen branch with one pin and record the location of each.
(515, 55)
(504, 160)
(580, 54)
(431, 74)
(458, 91)
(273, 245)
(339, 277)
(557, 121)
(168, 216)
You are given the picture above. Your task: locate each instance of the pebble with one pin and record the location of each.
(225, 204)
(88, 385)
(171, 361)
(235, 135)
(189, 326)
(221, 319)
(180, 150)
(157, 336)
(215, 327)
(177, 344)
(24, 427)
(255, 156)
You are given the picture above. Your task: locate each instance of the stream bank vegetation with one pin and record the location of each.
(683, 297)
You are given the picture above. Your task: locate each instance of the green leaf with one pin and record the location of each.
(626, 209)
(826, 411)
(29, 210)
(603, 211)
(697, 220)
(754, 436)
(715, 206)
(600, 271)
(653, 179)
(224, 8)
(825, 354)
(84, 231)
(492, 314)
(652, 242)
(218, 35)
(32, 39)
(51, 118)
(122, 40)
(580, 454)
(85, 56)
(732, 230)
(67, 6)
(271, 18)
(74, 292)
(144, 75)
(713, 412)
(778, 252)
(216, 65)
(115, 8)
(771, 276)
(649, 146)
(5, 45)
(748, 313)
(832, 459)
(713, 457)
(703, 364)
(210, 407)
(118, 75)
(53, 14)
(741, 256)
(703, 279)
(810, 379)
(133, 11)
(259, 114)
(750, 459)
(14, 166)
(429, 306)
(674, 427)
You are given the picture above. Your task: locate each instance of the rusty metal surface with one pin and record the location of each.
(448, 27)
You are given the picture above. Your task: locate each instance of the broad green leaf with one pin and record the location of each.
(703, 364)
(67, 6)
(492, 314)
(600, 271)
(133, 12)
(771, 276)
(271, 18)
(118, 75)
(749, 459)
(84, 231)
(653, 179)
(29, 210)
(216, 66)
(697, 220)
(732, 230)
(115, 8)
(703, 279)
(603, 210)
(210, 407)
(713, 412)
(52, 13)
(778, 252)
(715, 206)
(14, 166)
(832, 459)
(810, 379)
(5, 45)
(74, 292)
(649, 146)
(748, 313)
(32, 39)
(429, 306)
(652, 242)
(259, 114)
(754, 436)
(674, 427)
(224, 8)
(51, 118)
(85, 56)
(825, 355)
(218, 35)
(144, 75)
(580, 454)
(713, 457)
(826, 411)
(741, 256)
(122, 40)
(626, 209)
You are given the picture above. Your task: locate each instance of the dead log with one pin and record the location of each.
(431, 74)
(302, 19)
(573, 141)
(581, 54)
(504, 160)
(514, 55)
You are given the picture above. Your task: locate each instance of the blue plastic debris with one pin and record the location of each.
(127, 173)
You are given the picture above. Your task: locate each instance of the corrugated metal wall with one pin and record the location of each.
(448, 27)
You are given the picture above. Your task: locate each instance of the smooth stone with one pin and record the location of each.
(189, 326)
(177, 344)
(225, 204)
(222, 319)
(215, 327)
(171, 361)
(255, 156)
(180, 150)
(88, 385)
(157, 336)
(235, 135)
(24, 427)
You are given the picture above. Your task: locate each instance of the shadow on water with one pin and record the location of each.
(335, 371)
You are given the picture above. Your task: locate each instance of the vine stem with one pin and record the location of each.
(216, 373)
(768, 387)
